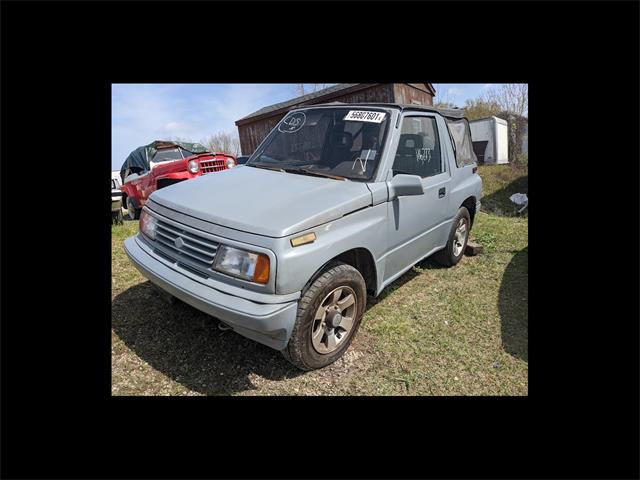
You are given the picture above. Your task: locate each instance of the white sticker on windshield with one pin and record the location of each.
(365, 116)
(292, 123)
(362, 160)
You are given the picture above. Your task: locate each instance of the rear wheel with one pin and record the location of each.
(457, 242)
(329, 314)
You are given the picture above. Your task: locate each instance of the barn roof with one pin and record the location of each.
(325, 92)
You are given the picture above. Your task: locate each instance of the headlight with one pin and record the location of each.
(242, 264)
(148, 224)
(192, 166)
(231, 163)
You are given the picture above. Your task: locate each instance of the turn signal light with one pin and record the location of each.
(304, 239)
(261, 273)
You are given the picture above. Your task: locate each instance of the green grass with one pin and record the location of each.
(499, 182)
(435, 331)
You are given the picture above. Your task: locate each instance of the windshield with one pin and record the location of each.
(168, 154)
(333, 142)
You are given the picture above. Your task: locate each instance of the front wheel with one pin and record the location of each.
(329, 314)
(457, 242)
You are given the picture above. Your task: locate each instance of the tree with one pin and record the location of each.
(478, 108)
(223, 142)
(303, 88)
(510, 97)
(511, 103)
(443, 99)
(446, 105)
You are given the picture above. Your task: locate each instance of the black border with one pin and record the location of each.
(581, 417)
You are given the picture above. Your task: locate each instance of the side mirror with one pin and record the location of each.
(404, 185)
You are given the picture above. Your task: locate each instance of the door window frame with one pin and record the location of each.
(443, 164)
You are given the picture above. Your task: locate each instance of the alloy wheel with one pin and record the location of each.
(334, 319)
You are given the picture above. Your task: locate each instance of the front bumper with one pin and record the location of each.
(267, 323)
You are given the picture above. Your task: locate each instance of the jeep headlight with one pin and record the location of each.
(242, 264)
(148, 224)
(192, 166)
(231, 163)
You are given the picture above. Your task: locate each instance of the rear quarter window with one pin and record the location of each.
(461, 138)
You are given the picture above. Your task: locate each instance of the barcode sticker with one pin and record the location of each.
(365, 116)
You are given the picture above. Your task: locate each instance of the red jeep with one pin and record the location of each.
(163, 163)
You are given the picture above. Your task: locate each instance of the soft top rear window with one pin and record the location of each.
(461, 136)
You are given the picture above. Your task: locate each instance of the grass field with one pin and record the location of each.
(435, 331)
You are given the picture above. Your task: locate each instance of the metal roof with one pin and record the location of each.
(306, 98)
(300, 99)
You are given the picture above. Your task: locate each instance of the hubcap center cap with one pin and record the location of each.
(334, 318)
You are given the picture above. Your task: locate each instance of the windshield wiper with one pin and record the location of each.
(403, 172)
(315, 173)
(266, 167)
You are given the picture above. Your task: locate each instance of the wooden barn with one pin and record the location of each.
(255, 127)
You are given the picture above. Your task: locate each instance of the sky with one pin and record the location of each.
(141, 113)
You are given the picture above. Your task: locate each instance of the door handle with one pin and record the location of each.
(441, 192)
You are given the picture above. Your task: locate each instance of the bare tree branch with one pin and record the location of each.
(302, 89)
(223, 142)
(511, 98)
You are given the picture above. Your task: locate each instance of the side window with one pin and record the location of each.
(461, 136)
(418, 150)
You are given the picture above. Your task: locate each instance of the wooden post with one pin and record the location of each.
(473, 249)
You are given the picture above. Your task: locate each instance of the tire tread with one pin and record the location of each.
(293, 352)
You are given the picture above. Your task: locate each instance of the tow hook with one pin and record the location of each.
(224, 327)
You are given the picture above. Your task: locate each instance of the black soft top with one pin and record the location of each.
(455, 113)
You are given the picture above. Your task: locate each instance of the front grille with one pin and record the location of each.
(185, 247)
(210, 166)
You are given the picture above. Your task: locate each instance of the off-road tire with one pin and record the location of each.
(446, 256)
(300, 351)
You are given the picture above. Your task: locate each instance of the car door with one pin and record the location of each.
(418, 225)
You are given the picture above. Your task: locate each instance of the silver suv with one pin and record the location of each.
(338, 201)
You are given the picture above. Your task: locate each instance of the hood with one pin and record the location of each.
(264, 202)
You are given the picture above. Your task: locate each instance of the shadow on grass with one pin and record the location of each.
(513, 306)
(187, 346)
(392, 287)
(498, 202)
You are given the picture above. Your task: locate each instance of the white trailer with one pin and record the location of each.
(490, 137)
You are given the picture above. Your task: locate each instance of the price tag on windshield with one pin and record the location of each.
(365, 116)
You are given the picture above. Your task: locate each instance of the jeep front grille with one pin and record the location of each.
(210, 166)
(185, 247)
